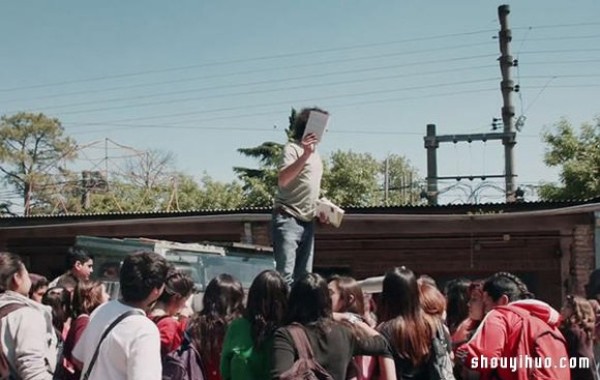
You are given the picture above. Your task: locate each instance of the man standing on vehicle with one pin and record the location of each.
(294, 210)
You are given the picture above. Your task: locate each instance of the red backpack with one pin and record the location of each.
(544, 344)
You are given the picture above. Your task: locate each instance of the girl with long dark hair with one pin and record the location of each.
(248, 343)
(222, 303)
(332, 343)
(405, 325)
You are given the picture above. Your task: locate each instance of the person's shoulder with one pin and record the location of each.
(240, 324)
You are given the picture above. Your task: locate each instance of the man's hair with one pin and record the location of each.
(77, 254)
(299, 124)
(141, 273)
(10, 264)
(507, 284)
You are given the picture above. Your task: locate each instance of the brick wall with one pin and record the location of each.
(582, 257)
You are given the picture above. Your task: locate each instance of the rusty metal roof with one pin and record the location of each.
(481, 208)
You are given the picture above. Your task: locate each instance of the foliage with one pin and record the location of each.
(578, 156)
(352, 179)
(32, 150)
(260, 184)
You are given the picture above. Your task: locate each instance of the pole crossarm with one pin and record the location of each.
(470, 177)
(433, 141)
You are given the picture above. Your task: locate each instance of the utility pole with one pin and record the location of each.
(386, 181)
(508, 110)
(431, 144)
(508, 135)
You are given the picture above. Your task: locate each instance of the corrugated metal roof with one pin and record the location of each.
(388, 209)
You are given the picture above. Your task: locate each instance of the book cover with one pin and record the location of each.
(333, 212)
(317, 123)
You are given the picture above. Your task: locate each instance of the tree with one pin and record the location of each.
(402, 181)
(578, 156)
(260, 184)
(351, 179)
(32, 148)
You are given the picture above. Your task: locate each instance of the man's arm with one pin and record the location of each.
(487, 342)
(291, 171)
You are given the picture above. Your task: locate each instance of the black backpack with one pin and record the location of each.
(440, 363)
(306, 367)
(184, 363)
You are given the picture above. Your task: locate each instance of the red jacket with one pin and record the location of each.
(499, 339)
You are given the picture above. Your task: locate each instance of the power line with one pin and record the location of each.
(249, 92)
(242, 60)
(311, 76)
(374, 92)
(278, 112)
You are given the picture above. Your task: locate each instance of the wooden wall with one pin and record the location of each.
(553, 253)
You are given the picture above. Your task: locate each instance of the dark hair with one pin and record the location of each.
(411, 327)
(223, 302)
(10, 264)
(77, 254)
(141, 273)
(592, 288)
(87, 296)
(299, 123)
(68, 281)
(309, 302)
(504, 283)
(177, 285)
(457, 300)
(59, 299)
(351, 294)
(267, 305)
(37, 282)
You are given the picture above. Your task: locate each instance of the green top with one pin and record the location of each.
(299, 197)
(239, 359)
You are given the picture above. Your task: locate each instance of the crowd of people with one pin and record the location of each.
(291, 323)
(73, 331)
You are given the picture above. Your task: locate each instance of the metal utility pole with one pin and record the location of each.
(508, 135)
(508, 110)
(431, 144)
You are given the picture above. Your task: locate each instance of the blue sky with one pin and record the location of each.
(202, 79)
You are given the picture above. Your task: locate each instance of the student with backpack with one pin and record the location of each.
(248, 343)
(120, 342)
(314, 343)
(28, 343)
(518, 328)
(420, 347)
(167, 313)
(222, 303)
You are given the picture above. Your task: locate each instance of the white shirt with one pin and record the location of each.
(131, 351)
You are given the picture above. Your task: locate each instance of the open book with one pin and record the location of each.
(317, 122)
(333, 212)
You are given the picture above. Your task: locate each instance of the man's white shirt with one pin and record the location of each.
(131, 351)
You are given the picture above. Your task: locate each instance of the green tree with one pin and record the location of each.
(403, 181)
(260, 184)
(578, 157)
(352, 179)
(32, 149)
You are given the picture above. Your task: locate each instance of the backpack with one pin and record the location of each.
(440, 363)
(4, 364)
(542, 343)
(306, 367)
(184, 363)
